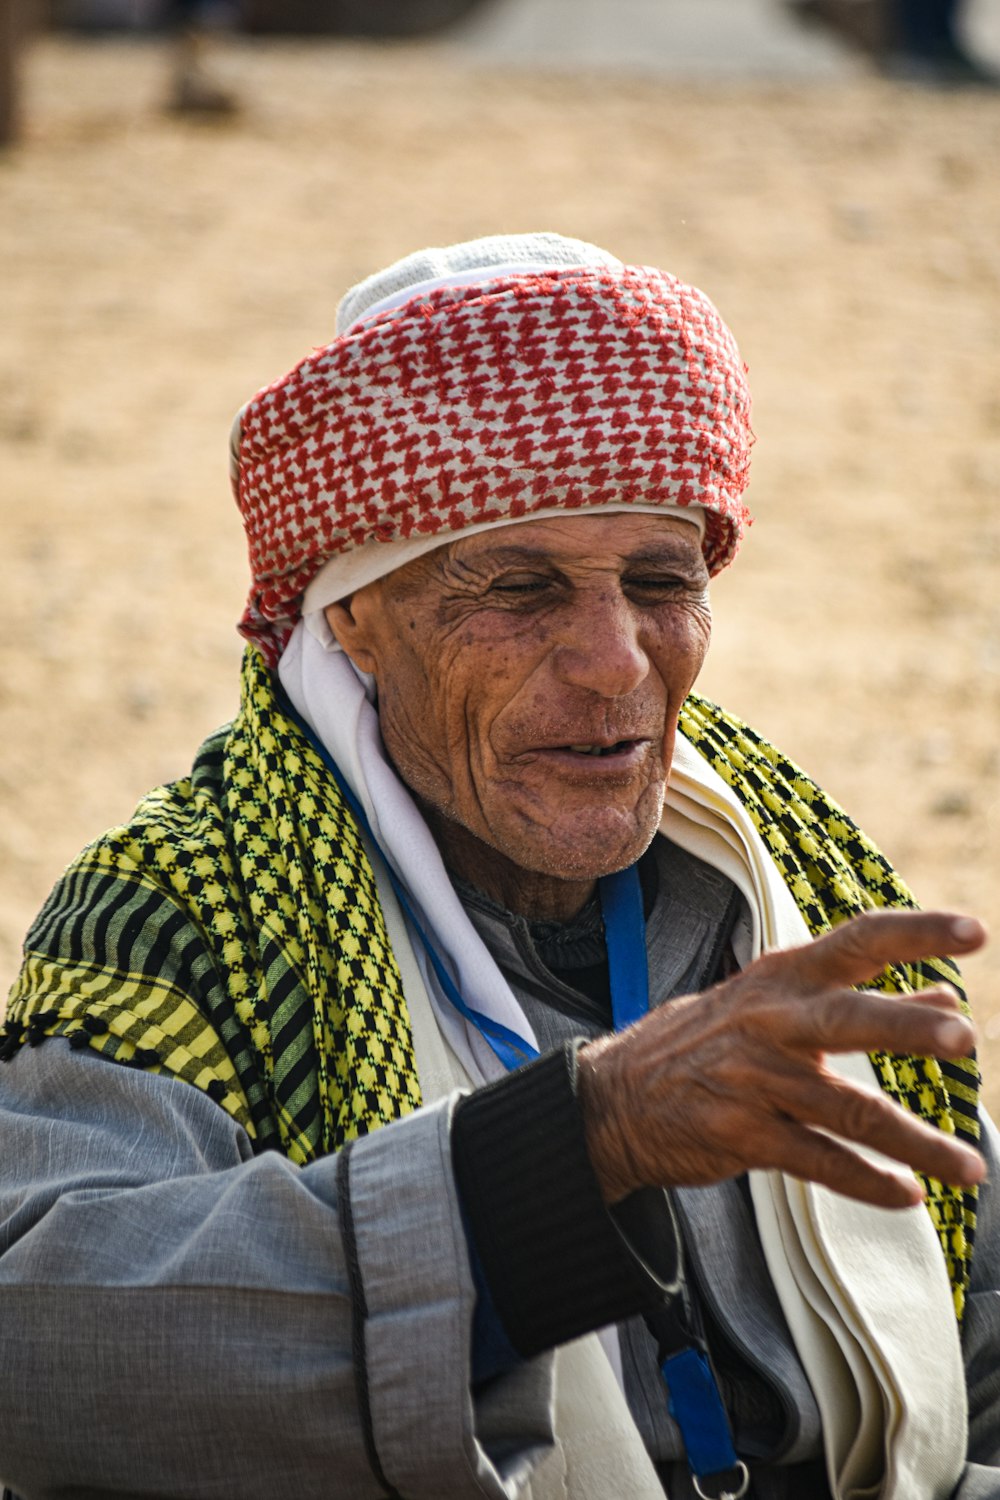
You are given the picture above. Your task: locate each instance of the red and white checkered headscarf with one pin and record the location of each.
(486, 396)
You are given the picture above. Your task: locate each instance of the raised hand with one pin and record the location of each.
(708, 1086)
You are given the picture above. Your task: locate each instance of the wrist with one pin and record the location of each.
(599, 1094)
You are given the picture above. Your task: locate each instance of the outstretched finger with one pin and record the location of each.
(813, 1156)
(862, 1116)
(858, 950)
(929, 1023)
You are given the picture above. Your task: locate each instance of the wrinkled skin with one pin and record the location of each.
(498, 653)
(502, 660)
(712, 1085)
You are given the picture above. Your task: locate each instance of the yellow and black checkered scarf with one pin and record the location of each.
(231, 935)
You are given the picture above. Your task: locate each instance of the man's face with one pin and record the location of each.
(529, 682)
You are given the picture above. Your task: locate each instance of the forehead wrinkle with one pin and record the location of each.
(673, 549)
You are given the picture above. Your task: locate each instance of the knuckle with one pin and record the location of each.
(772, 1151)
(760, 987)
(827, 1013)
(773, 967)
(857, 935)
(860, 1115)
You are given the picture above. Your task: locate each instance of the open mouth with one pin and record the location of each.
(618, 748)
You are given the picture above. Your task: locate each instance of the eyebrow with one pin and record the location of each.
(671, 550)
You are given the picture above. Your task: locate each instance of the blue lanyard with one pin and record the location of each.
(625, 938)
(694, 1400)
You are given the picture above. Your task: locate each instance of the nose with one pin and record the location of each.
(599, 647)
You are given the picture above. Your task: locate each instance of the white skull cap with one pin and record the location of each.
(473, 260)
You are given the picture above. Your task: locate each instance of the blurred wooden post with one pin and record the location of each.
(867, 24)
(10, 46)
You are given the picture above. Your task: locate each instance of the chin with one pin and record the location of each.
(588, 858)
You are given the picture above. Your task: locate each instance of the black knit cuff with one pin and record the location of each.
(557, 1262)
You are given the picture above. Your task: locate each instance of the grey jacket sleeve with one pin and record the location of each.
(981, 1336)
(180, 1318)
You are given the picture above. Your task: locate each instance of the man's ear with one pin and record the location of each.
(348, 625)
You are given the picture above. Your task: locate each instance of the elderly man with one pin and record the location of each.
(359, 1061)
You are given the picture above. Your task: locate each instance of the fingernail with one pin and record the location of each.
(953, 1036)
(965, 929)
(974, 1177)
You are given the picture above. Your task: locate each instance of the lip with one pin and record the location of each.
(619, 756)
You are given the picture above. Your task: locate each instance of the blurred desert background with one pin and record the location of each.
(156, 270)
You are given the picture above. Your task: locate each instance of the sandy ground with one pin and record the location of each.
(156, 272)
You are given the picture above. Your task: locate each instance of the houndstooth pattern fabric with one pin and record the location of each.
(231, 936)
(485, 403)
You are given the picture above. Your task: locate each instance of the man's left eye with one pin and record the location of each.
(519, 585)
